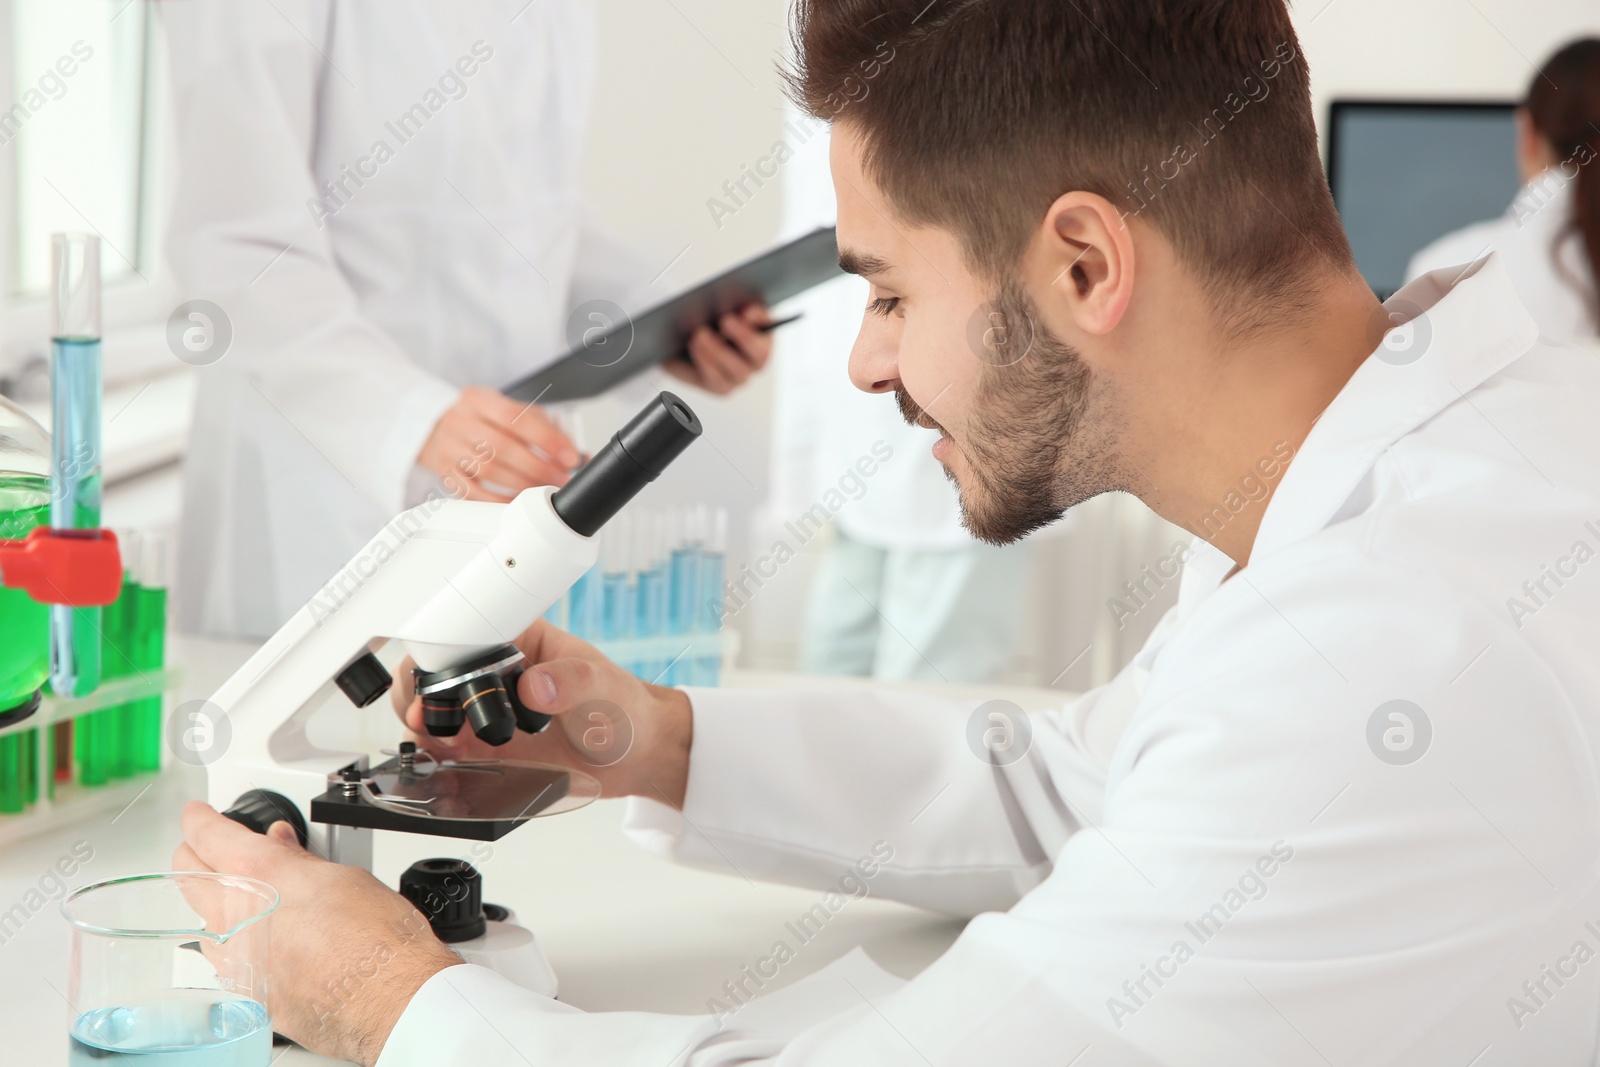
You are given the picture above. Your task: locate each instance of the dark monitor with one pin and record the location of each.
(1406, 172)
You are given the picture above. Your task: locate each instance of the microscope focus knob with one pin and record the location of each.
(450, 893)
(258, 809)
(364, 680)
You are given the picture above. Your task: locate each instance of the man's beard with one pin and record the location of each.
(1030, 449)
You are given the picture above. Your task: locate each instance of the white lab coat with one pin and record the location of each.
(1225, 792)
(1544, 258)
(449, 252)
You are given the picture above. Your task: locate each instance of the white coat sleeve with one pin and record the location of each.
(247, 234)
(895, 772)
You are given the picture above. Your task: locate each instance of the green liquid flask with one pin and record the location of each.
(24, 622)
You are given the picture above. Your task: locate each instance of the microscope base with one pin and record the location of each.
(511, 950)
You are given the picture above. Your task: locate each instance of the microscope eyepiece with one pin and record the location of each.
(631, 460)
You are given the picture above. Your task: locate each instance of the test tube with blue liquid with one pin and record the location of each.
(683, 589)
(650, 605)
(75, 389)
(708, 669)
(616, 586)
(655, 595)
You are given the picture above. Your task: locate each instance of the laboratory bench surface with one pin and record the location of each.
(623, 929)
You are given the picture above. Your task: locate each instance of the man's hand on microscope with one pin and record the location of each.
(630, 735)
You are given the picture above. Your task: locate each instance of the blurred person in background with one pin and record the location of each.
(1549, 238)
(383, 202)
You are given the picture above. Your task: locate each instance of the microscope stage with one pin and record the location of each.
(476, 801)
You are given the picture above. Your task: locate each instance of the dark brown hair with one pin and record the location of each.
(1194, 115)
(1564, 106)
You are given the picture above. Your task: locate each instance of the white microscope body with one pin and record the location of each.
(452, 581)
(447, 579)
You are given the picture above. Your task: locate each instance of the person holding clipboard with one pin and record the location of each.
(380, 206)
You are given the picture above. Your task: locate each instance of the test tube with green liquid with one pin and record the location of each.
(148, 640)
(75, 387)
(117, 660)
(14, 772)
(104, 741)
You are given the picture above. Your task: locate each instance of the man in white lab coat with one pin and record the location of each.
(383, 202)
(1342, 809)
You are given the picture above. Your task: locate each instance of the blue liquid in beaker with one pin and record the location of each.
(205, 1029)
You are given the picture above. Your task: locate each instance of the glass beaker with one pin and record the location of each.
(170, 970)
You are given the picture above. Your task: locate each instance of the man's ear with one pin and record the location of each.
(1085, 251)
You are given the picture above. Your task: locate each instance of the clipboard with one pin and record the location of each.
(607, 347)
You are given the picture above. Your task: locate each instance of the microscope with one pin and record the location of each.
(454, 582)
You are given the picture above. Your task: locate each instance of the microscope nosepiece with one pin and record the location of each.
(472, 692)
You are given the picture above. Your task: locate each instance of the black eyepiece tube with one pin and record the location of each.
(629, 462)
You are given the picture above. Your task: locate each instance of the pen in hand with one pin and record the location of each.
(773, 325)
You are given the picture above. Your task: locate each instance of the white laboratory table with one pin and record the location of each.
(623, 929)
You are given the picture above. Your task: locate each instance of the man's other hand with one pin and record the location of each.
(487, 446)
(347, 953)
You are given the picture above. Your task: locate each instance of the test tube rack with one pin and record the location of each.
(653, 601)
(65, 800)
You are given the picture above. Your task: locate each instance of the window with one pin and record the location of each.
(74, 134)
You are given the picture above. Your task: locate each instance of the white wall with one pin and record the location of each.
(1433, 48)
(687, 92)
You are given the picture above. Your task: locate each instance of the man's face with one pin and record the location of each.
(1025, 430)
